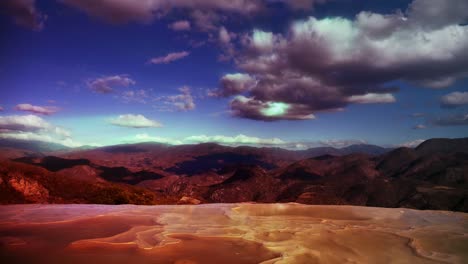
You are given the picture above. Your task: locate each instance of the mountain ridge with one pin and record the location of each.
(430, 177)
(42, 146)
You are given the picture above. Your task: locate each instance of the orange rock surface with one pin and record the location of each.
(230, 233)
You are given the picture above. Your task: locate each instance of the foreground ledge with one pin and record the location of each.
(229, 233)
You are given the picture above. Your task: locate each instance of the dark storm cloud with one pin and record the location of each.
(24, 13)
(327, 64)
(258, 110)
(232, 84)
(304, 91)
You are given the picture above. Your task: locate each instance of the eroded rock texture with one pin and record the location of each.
(230, 233)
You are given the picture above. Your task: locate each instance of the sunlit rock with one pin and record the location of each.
(188, 200)
(230, 233)
(30, 189)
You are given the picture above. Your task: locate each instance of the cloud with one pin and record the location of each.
(300, 4)
(372, 98)
(169, 57)
(24, 13)
(232, 84)
(28, 136)
(341, 143)
(181, 102)
(220, 139)
(181, 25)
(243, 140)
(117, 11)
(31, 127)
(326, 64)
(205, 20)
(25, 123)
(436, 14)
(42, 110)
(452, 120)
(148, 138)
(226, 42)
(248, 107)
(137, 96)
(236, 140)
(134, 121)
(106, 84)
(125, 11)
(420, 126)
(454, 99)
(411, 144)
(224, 36)
(334, 143)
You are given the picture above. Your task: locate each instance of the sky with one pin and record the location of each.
(294, 74)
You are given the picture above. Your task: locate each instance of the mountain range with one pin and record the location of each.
(433, 175)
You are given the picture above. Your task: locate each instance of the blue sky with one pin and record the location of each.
(87, 70)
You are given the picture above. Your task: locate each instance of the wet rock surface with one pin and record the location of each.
(230, 233)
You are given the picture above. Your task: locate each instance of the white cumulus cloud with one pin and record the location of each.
(134, 121)
(31, 127)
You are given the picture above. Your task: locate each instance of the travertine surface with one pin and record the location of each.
(230, 233)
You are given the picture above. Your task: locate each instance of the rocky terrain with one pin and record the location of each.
(432, 176)
(230, 233)
(23, 183)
